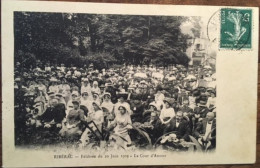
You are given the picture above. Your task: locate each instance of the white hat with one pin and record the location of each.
(84, 91)
(17, 79)
(85, 79)
(53, 79)
(95, 93)
(143, 82)
(107, 93)
(155, 105)
(124, 106)
(95, 83)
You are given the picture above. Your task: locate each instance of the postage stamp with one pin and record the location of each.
(236, 28)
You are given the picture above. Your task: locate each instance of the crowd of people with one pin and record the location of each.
(84, 103)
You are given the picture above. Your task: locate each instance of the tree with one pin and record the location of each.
(101, 39)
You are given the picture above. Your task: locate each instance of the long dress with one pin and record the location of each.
(122, 123)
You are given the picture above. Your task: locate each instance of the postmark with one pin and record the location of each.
(213, 27)
(236, 28)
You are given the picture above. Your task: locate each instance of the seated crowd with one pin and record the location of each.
(81, 102)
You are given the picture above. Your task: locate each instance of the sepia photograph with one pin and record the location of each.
(113, 82)
(106, 84)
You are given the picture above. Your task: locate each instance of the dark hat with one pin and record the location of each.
(136, 97)
(203, 95)
(76, 101)
(60, 95)
(50, 93)
(108, 84)
(122, 94)
(102, 86)
(84, 108)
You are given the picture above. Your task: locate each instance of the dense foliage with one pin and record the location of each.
(78, 39)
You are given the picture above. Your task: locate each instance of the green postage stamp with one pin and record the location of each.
(236, 28)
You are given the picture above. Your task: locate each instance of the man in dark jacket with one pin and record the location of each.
(137, 108)
(179, 125)
(53, 114)
(200, 111)
(206, 130)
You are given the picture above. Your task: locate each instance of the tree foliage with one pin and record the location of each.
(101, 39)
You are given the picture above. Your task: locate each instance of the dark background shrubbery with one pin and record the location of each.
(104, 40)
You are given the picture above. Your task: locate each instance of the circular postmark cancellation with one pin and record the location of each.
(234, 26)
(213, 27)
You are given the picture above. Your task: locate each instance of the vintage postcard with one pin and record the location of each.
(97, 84)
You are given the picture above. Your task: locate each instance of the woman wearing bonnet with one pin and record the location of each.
(108, 108)
(121, 124)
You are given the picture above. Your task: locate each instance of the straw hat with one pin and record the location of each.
(107, 93)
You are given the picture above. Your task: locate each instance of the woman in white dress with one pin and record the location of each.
(121, 124)
(167, 112)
